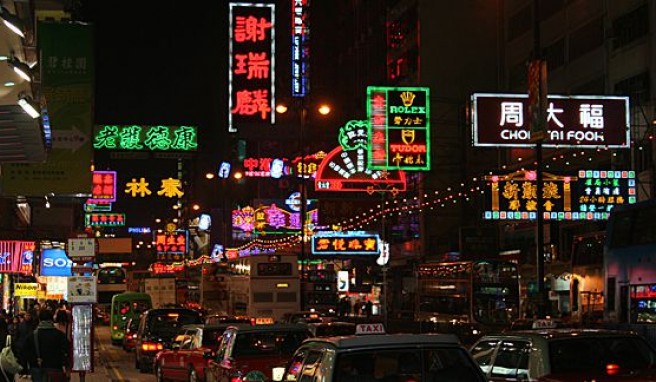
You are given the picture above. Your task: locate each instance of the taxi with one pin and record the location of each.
(190, 352)
(250, 352)
(332, 329)
(373, 356)
(565, 355)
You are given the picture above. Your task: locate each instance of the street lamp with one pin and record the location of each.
(304, 110)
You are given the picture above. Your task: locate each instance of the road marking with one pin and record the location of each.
(110, 369)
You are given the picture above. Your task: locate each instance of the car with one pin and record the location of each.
(130, 337)
(190, 351)
(157, 328)
(249, 352)
(372, 356)
(565, 355)
(331, 329)
(531, 323)
(304, 317)
(226, 319)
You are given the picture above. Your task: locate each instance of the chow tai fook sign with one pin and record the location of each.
(345, 168)
(16, 256)
(586, 195)
(103, 187)
(171, 245)
(251, 66)
(300, 47)
(145, 138)
(399, 128)
(502, 120)
(345, 243)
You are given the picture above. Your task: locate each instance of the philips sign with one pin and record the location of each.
(54, 262)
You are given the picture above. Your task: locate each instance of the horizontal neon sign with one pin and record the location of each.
(153, 138)
(345, 243)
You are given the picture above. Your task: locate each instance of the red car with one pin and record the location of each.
(191, 350)
(251, 352)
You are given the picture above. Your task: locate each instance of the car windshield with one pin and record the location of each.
(274, 342)
(168, 324)
(432, 364)
(334, 330)
(594, 353)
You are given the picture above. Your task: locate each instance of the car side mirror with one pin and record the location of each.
(277, 373)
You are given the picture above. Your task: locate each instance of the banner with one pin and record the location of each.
(67, 76)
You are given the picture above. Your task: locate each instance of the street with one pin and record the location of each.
(112, 362)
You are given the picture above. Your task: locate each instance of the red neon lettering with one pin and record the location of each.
(251, 102)
(250, 163)
(250, 28)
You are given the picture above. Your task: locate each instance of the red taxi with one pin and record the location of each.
(191, 350)
(251, 352)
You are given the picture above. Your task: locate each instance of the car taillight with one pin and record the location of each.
(235, 379)
(134, 336)
(252, 323)
(151, 346)
(612, 369)
(115, 327)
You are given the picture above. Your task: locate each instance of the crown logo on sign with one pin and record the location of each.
(408, 98)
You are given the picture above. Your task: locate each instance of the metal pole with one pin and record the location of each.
(303, 116)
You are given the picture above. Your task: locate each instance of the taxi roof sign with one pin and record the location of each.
(361, 329)
(544, 323)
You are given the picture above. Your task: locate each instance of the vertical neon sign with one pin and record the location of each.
(251, 67)
(300, 48)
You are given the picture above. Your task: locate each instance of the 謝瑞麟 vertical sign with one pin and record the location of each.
(300, 47)
(399, 128)
(251, 67)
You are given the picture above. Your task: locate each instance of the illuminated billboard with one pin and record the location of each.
(275, 216)
(300, 47)
(152, 138)
(345, 243)
(104, 219)
(103, 187)
(251, 66)
(16, 256)
(586, 195)
(399, 128)
(502, 120)
(171, 245)
(345, 168)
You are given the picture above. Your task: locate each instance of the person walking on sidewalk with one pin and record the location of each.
(46, 351)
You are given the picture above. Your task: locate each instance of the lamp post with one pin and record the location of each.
(303, 110)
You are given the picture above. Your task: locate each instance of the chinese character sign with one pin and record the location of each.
(589, 196)
(104, 219)
(345, 243)
(502, 120)
(16, 256)
(274, 217)
(399, 128)
(300, 47)
(103, 187)
(251, 66)
(171, 245)
(141, 188)
(148, 138)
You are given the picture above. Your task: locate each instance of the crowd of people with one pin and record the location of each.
(40, 327)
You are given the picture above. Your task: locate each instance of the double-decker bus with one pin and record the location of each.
(630, 264)
(125, 306)
(111, 280)
(480, 292)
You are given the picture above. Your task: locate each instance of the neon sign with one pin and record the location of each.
(274, 217)
(345, 243)
(589, 196)
(16, 256)
(103, 187)
(251, 66)
(300, 47)
(500, 120)
(171, 245)
(262, 167)
(153, 138)
(399, 128)
(104, 219)
(169, 188)
(345, 168)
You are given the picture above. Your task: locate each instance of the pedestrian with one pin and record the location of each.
(46, 351)
(357, 307)
(368, 308)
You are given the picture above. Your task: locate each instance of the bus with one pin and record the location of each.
(630, 264)
(484, 293)
(111, 280)
(125, 306)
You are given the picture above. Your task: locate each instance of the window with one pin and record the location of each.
(262, 297)
(260, 343)
(636, 87)
(520, 23)
(311, 366)
(554, 54)
(631, 26)
(483, 352)
(586, 39)
(512, 360)
(286, 296)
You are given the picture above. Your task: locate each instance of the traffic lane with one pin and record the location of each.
(118, 363)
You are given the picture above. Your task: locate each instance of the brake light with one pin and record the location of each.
(115, 327)
(236, 379)
(612, 369)
(252, 324)
(151, 346)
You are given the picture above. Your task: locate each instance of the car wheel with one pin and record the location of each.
(193, 375)
(158, 373)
